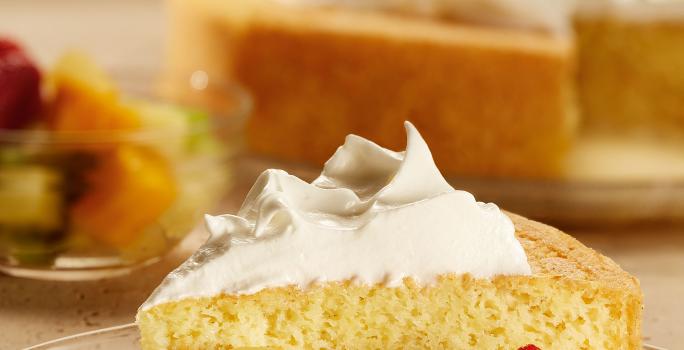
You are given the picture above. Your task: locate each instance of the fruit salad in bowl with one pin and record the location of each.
(96, 180)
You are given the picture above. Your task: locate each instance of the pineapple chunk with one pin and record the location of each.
(168, 121)
(130, 189)
(85, 98)
(30, 198)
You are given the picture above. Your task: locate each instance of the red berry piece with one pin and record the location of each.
(20, 99)
(7, 45)
(529, 347)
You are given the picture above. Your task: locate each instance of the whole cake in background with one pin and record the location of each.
(496, 86)
(490, 100)
(380, 252)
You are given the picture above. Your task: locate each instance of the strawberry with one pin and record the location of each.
(529, 347)
(7, 45)
(20, 99)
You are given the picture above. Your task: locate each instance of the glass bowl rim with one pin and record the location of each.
(234, 117)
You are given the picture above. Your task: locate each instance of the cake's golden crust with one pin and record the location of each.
(572, 288)
(551, 252)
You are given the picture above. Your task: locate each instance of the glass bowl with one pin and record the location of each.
(84, 205)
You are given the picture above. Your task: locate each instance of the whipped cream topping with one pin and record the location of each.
(552, 16)
(373, 216)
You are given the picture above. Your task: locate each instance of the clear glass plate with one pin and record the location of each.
(123, 337)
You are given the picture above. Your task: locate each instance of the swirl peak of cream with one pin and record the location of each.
(373, 216)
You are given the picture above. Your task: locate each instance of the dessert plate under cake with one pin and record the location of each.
(124, 337)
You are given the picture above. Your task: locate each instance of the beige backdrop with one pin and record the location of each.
(127, 35)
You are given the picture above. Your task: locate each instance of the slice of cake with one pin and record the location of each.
(491, 101)
(380, 252)
(631, 59)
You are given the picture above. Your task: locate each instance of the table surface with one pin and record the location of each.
(133, 32)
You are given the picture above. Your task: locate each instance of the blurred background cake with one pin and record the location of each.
(501, 88)
(492, 101)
